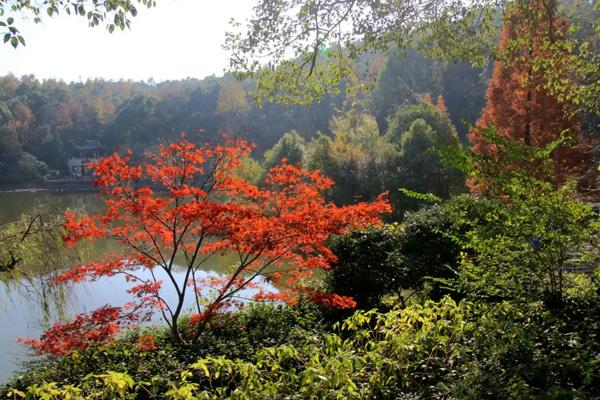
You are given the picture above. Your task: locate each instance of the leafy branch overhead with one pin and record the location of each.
(298, 50)
(111, 13)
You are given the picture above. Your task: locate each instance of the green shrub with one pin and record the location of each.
(432, 350)
(381, 261)
(368, 265)
(521, 246)
(428, 249)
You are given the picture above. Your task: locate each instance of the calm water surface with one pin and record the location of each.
(26, 310)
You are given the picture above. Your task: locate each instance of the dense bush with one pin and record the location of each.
(429, 249)
(519, 248)
(413, 256)
(368, 265)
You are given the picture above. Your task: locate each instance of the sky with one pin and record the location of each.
(175, 40)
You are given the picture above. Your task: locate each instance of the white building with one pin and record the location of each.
(89, 151)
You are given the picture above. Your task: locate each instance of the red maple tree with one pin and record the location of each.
(520, 104)
(185, 203)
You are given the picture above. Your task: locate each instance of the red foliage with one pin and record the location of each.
(519, 104)
(185, 200)
(95, 328)
(332, 300)
(441, 105)
(146, 343)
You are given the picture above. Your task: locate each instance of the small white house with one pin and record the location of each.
(89, 151)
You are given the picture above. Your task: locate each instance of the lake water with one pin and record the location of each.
(26, 310)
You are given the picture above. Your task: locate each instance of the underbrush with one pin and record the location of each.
(431, 350)
(236, 335)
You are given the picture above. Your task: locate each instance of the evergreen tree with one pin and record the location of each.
(290, 147)
(405, 77)
(436, 119)
(420, 169)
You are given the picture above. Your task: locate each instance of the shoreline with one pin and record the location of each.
(62, 185)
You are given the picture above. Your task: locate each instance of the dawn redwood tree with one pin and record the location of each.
(520, 104)
(189, 202)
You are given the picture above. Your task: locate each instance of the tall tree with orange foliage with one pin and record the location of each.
(520, 105)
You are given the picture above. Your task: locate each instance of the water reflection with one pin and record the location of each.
(29, 303)
(24, 314)
(13, 204)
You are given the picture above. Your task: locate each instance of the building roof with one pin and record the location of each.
(88, 145)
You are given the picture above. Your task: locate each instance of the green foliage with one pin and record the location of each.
(569, 62)
(32, 246)
(406, 76)
(397, 259)
(357, 158)
(404, 118)
(419, 167)
(464, 93)
(107, 370)
(521, 247)
(428, 197)
(434, 350)
(429, 248)
(529, 232)
(27, 168)
(114, 14)
(319, 155)
(417, 131)
(290, 147)
(251, 170)
(368, 265)
(232, 105)
(302, 65)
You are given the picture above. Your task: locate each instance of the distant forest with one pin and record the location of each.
(367, 142)
(40, 122)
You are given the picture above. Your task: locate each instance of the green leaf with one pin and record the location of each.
(420, 196)
(10, 20)
(7, 37)
(14, 42)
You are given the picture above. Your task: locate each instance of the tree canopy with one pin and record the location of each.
(327, 38)
(311, 46)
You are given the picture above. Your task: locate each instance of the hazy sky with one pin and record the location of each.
(177, 39)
